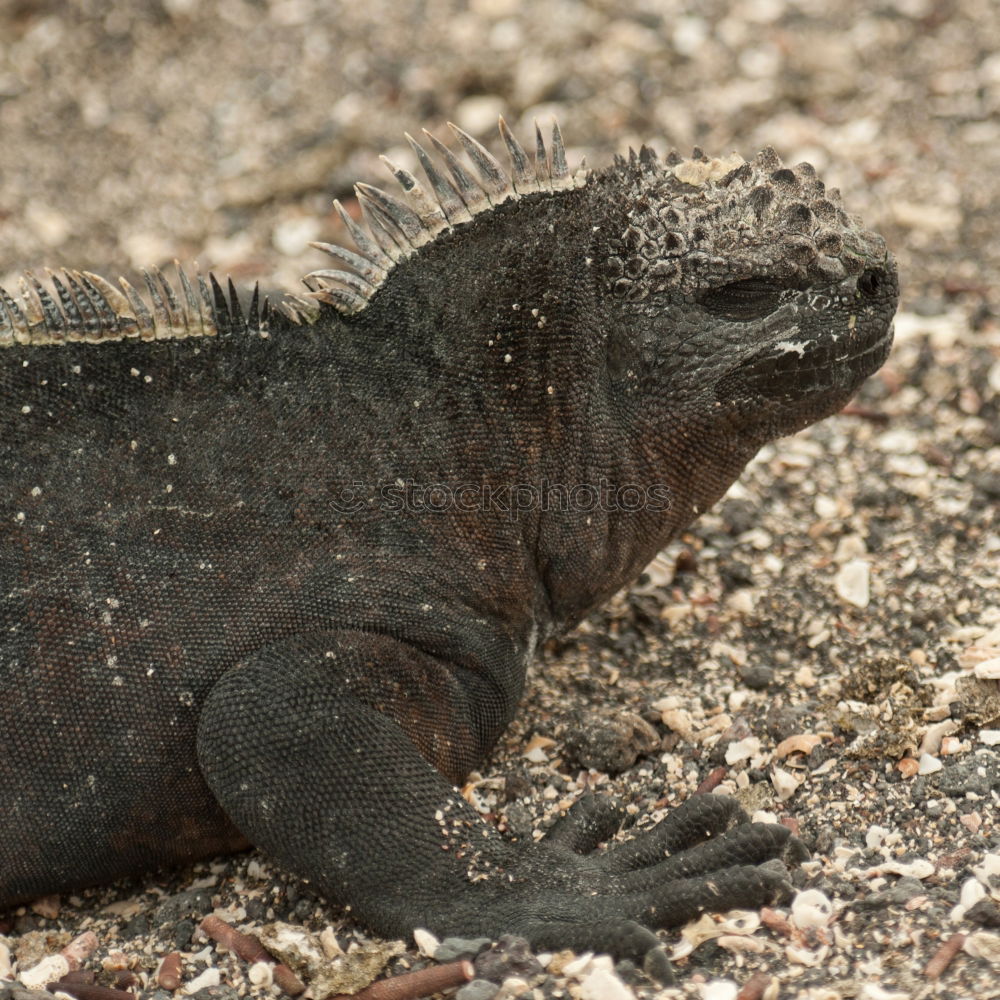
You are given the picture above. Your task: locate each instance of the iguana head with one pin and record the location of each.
(744, 288)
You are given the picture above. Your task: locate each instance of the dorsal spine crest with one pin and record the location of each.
(87, 308)
(397, 228)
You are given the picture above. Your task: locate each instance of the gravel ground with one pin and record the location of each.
(820, 644)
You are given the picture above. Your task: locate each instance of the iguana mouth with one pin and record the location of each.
(793, 367)
(779, 392)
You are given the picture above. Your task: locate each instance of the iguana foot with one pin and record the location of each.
(704, 856)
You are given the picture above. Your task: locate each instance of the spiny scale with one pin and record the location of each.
(85, 307)
(398, 228)
(88, 308)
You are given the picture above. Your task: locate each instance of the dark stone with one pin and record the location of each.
(183, 932)
(757, 677)
(978, 773)
(478, 989)
(516, 785)
(12, 991)
(510, 956)
(896, 895)
(739, 516)
(735, 574)
(192, 903)
(520, 822)
(137, 927)
(610, 743)
(220, 992)
(986, 913)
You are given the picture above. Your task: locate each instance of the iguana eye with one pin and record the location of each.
(748, 299)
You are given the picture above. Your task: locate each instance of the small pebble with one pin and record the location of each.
(785, 783)
(988, 669)
(453, 948)
(427, 944)
(610, 741)
(510, 956)
(757, 677)
(852, 582)
(811, 909)
(48, 970)
(478, 989)
(983, 944)
(719, 989)
(210, 977)
(742, 750)
(512, 988)
(929, 764)
(261, 974)
(986, 913)
(602, 984)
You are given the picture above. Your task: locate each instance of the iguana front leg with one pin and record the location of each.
(311, 747)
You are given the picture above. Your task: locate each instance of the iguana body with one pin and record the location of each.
(221, 624)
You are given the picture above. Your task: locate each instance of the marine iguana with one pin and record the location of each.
(274, 576)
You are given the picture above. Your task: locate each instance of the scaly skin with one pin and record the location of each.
(220, 625)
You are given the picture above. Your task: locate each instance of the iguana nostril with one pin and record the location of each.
(870, 282)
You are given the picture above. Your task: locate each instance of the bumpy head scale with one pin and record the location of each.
(692, 219)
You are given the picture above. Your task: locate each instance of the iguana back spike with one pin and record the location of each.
(492, 179)
(430, 212)
(559, 169)
(397, 229)
(234, 310)
(383, 237)
(193, 303)
(396, 216)
(369, 247)
(468, 189)
(541, 159)
(67, 305)
(522, 171)
(110, 307)
(33, 289)
(85, 307)
(165, 316)
(254, 312)
(448, 198)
